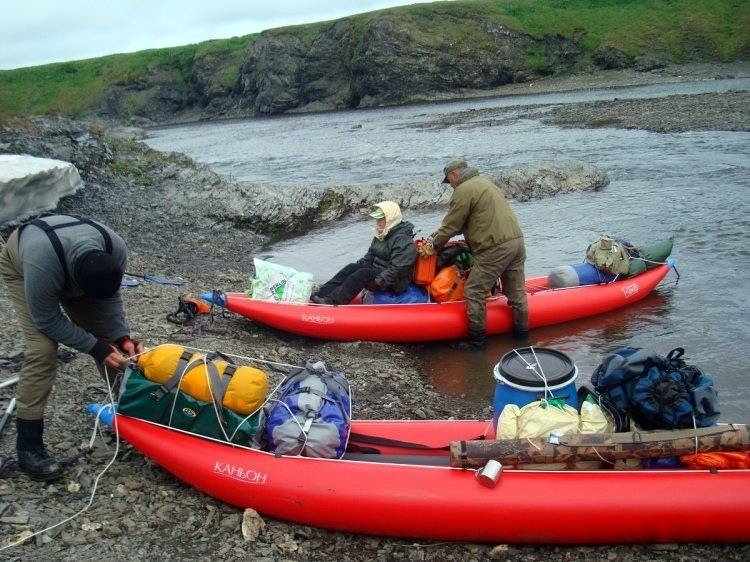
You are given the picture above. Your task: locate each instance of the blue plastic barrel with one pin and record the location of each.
(528, 374)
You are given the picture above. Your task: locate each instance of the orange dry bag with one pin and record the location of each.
(425, 267)
(448, 285)
(719, 459)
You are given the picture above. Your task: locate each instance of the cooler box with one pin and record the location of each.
(521, 375)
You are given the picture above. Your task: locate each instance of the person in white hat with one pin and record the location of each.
(388, 264)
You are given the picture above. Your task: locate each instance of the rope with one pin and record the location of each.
(533, 369)
(695, 427)
(24, 537)
(601, 457)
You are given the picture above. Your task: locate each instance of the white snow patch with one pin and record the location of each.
(30, 185)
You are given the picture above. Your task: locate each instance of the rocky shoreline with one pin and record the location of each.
(140, 511)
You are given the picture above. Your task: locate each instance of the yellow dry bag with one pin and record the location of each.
(244, 388)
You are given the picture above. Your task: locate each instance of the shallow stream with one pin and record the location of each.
(695, 186)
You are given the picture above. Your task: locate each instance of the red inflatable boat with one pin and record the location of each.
(418, 495)
(441, 321)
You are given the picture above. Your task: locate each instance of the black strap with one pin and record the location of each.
(55, 239)
(676, 353)
(218, 383)
(386, 441)
(174, 380)
(56, 244)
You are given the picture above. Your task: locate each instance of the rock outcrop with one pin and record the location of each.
(344, 64)
(126, 181)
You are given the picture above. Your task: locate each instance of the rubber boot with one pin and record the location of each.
(521, 336)
(477, 339)
(32, 456)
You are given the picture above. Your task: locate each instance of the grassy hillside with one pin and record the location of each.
(70, 88)
(685, 29)
(715, 29)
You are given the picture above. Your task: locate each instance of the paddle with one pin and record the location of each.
(156, 278)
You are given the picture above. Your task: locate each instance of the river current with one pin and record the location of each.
(694, 186)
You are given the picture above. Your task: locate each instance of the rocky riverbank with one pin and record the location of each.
(726, 111)
(165, 206)
(131, 186)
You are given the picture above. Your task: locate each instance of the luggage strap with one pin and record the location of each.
(386, 441)
(218, 384)
(297, 375)
(636, 437)
(55, 239)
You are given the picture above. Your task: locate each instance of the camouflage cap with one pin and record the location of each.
(454, 164)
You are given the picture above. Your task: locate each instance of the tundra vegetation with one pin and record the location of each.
(383, 57)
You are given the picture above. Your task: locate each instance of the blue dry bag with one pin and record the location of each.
(412, 294)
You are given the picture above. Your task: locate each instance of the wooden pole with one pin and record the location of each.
(601, 446)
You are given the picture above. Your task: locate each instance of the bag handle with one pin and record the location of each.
(676, 353)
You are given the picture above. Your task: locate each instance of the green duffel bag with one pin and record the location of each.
(650, 256)
(166, 405)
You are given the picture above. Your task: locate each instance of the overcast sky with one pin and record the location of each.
(36, 32)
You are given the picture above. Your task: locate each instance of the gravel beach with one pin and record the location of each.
(141, 512)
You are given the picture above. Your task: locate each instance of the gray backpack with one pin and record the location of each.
(609, 256)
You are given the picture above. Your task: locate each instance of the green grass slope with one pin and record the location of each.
(70, 88)
(687, 30)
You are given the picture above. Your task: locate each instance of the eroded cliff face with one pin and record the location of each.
(342, 65)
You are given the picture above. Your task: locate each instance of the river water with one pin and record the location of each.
(695, 186)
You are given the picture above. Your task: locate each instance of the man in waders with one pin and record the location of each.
(478, 209)
(52, 265)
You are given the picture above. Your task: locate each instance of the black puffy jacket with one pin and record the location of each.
(395, 256)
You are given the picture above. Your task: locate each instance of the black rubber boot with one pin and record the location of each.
(521, 336)
(477, 340)
(32, 456)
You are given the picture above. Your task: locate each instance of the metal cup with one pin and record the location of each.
(490, 473)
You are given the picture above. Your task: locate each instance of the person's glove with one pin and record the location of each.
(129, 346)
(425, 248)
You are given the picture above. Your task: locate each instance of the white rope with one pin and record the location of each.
(293, 417)
(601, 457)
(349, 414)
(97, 428)
(533, 444)
(487, 427)
(532, 368)
(648, 261)
(288, 365)
(24, 537)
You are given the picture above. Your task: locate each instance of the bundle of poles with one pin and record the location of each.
(609, 447)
